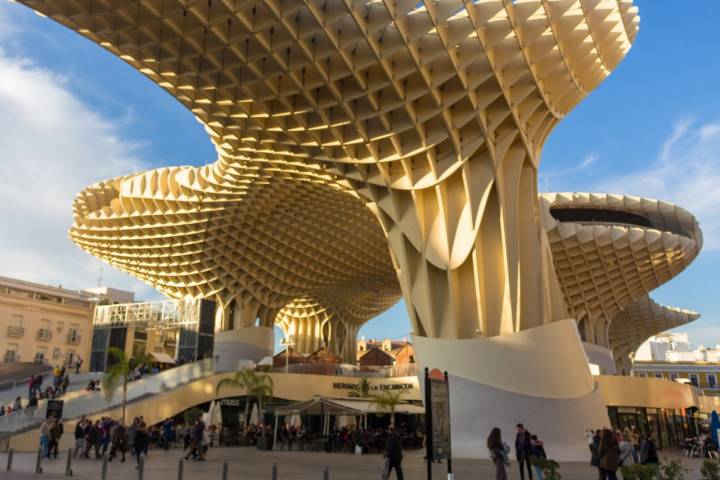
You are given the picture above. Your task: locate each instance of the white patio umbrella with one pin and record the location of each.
(254, 416)
(211, 413)
(296, 421)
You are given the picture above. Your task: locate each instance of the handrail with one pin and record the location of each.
(17, 381)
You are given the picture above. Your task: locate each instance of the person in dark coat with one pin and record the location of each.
(142, 440)
(523, 450)
(648, 452)
(498, 453)
(118, 438)
(393, 453)
(609, 454)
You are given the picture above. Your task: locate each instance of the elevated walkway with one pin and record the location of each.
(80, 402)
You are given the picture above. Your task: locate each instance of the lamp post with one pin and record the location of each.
(287, 342)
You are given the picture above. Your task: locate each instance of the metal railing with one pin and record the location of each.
(347, 370)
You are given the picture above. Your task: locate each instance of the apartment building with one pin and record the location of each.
(46, 324)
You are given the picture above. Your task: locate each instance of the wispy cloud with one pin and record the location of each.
(686, 172)
(52, 145)
(549, 177)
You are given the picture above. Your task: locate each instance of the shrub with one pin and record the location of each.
(710, 470)
(638, 472)
(673, 470)
(549, 468)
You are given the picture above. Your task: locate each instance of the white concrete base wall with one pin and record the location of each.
(476, 409)
(538, 377)
(241, 345)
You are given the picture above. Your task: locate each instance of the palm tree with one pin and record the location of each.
(363, 390)
(388, 401)
(118, 373)
(256, 385)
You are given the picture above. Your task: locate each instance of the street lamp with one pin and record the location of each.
(287, 342)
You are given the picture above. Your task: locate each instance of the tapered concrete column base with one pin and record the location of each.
(242, 344)
(538, 377)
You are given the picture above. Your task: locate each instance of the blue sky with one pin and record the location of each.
(73, 114)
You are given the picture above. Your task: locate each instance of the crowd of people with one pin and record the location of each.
(347, 439)
(610, 450)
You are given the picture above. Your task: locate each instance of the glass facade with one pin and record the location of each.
(670, 426)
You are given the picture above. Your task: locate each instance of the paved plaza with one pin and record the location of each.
(249, 464)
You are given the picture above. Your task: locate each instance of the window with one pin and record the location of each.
(69, 357)
(659, 376)
(16, 320)
(712, 380)
(60, 327)
(41, 355)
(642, 374)
(11, 354)
(674, 376)
(694, 379)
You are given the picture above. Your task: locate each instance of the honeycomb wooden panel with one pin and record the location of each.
(638, 322)
(435, 113)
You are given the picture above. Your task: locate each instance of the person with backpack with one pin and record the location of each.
(538, 453)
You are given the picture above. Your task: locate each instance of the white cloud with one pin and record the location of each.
(52, 145)
(686, 173)
(589, 160)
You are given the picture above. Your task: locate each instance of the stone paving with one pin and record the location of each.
(250, 464)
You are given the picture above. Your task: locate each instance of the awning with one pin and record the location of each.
(162, 358)
(342, 406)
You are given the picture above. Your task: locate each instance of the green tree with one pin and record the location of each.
(258, 386)
(363, 390)
(117, 374)
(388, 401)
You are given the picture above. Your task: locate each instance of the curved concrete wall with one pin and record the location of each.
(248, 343)
(539, 377)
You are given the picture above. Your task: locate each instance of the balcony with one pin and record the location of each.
(73, 338)
(44, 334)
(15, 331)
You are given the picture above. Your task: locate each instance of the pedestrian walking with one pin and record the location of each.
(523, 450)
(142, 439)
(45, 437)
(393, 454)
(119, 441)
(498, 453)
(56, 431)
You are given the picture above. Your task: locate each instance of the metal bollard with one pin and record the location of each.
(181, 466)
(38, 462)
(141, 469)
(326, 473)
(68, 465)
(274, 471)
(10, 458)
(103, 472)
(225, 471)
